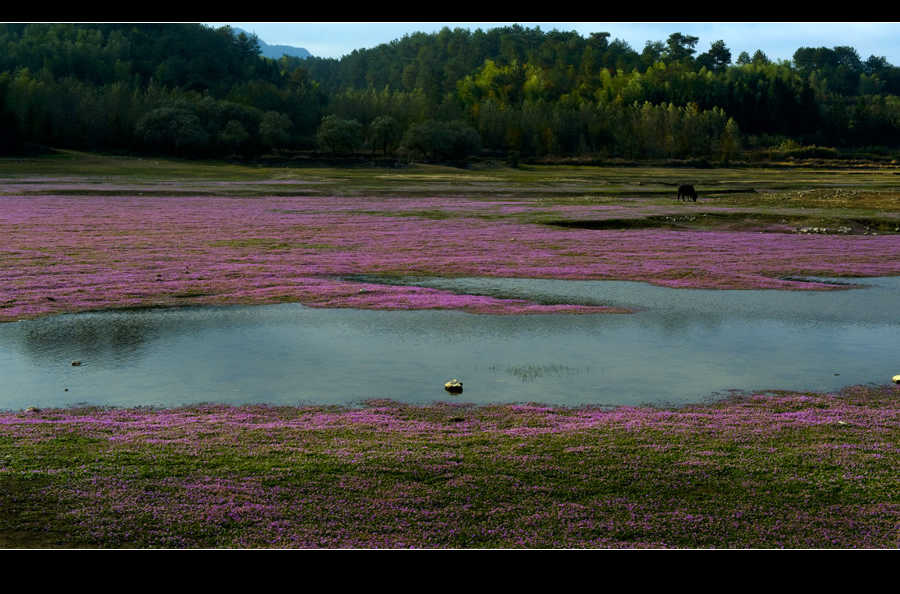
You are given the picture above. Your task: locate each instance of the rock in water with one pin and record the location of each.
(76, 363)
(454, 386)
(896, 379)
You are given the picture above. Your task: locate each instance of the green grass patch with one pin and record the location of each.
(784, 470)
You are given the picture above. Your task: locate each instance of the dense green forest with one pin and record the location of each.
(194, 91)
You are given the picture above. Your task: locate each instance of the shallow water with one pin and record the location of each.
(681, 346)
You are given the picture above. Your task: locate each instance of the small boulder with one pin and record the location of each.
(76, 363)
(896, 379)
(454, 386)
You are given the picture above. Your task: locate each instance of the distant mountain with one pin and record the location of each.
(276, 51)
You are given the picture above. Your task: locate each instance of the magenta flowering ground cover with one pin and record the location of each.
(767, 470)
(801, 470)
(78, 252)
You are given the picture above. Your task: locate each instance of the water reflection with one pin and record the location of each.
(102, 339)
(681, 346)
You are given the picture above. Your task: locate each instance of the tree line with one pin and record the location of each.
(196, 91)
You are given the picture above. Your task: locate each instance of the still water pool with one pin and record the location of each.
(680, 346)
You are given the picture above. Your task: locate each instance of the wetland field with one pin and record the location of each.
(212, 355)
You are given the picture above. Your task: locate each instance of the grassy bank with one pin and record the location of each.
(769, 470)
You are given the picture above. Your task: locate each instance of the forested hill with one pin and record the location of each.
(186, 56)
(275, 51)
(190, 90)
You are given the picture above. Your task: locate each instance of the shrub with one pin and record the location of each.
(438, 140)
(172, 130)
(339, 136)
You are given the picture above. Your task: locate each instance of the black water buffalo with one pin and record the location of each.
(687, 191)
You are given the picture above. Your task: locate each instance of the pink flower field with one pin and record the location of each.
(762, 470)
(74, 253)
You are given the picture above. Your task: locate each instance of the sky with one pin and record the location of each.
(778, 40)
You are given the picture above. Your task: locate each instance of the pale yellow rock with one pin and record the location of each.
(454, 386)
